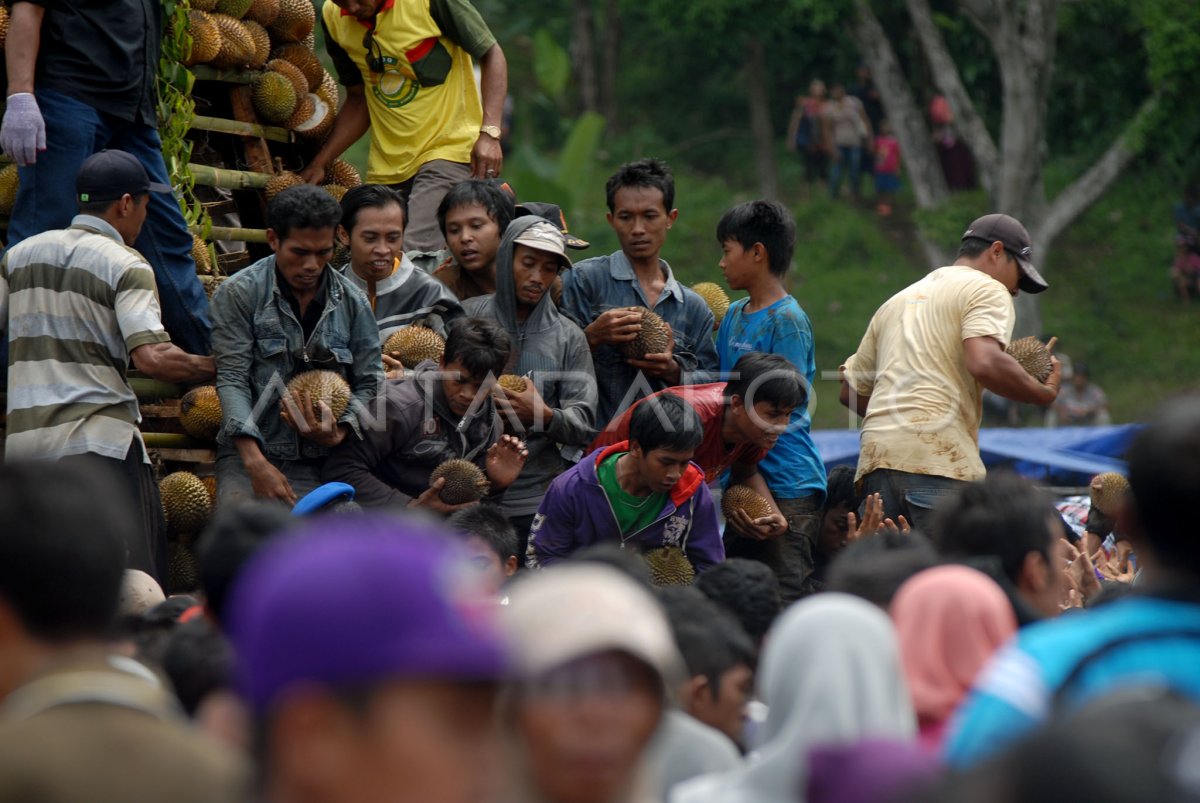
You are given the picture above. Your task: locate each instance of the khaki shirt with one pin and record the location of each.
(109, 732)
(925, 407)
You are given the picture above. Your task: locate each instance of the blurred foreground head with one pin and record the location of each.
(62, 561)
(369, 655)
(595, 661)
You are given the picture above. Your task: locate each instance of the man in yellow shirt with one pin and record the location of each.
(917, 375)
(409, 77)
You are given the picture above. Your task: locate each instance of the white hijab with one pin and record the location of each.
(830, 674)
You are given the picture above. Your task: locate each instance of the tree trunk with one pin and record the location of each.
(922, 168)
(760, 117)
(583, 55)
(609, 62)
(949, 83)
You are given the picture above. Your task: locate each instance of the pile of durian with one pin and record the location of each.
(293, 90)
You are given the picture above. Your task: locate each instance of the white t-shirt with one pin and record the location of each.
(925, 407)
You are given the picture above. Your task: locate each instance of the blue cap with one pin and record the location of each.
(320, 498)
(356, 600)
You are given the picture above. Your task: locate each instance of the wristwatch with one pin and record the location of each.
(492, 131)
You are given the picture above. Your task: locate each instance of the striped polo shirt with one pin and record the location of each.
(77, 301)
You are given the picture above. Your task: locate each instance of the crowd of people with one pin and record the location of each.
(842, 133)
(598, 628)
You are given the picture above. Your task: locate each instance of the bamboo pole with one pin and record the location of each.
(146, 388)
(228, 179)
(234, 235)
(273, 133)
(206, 72)
(169, 440)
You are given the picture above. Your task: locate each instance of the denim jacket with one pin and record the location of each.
(602, 283)
(259, 345)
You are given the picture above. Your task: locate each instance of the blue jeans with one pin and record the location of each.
(46, 200)
(914, 496)
(849, 160)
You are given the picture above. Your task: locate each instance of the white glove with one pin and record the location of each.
(23, 132)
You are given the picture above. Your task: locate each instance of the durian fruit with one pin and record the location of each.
(1033, 356)
(310, 41)
(210, 485)
(669, 566)
(1108, 492)
(9, 181)
(237, 47)
(343, 173)
(741, 497)
(303, 58)
(341, 255)
(206, 38)
(292, 73)
(715, 297)
(183, 573)
(203, 5)
(185, 502)
(318, 125)
(413, 344)
(465, 481)
(336, 191)
(295, 21)
(304, 110)
(262, 44)
(234, 8)
(325, 386)
(200, 255)
(200, 413)
(211, 283)
(327, 90)
(274, 97)
(512, 382)
(281, 182)
(263, 12)
(3, 25)
(655, 337)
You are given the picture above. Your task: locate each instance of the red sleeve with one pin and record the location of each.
(615, 432)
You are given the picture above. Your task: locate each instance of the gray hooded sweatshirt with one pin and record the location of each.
(551, 351)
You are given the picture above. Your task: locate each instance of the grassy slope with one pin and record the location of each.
(1110, 304)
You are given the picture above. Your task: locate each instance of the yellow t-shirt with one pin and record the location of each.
(925, 407)
(424, 105)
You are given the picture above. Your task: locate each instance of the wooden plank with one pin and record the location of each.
(159, 410)
(258, 155)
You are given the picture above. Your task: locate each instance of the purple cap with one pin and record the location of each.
(360, 599)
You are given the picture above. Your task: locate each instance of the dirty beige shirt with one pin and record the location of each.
(924, 412)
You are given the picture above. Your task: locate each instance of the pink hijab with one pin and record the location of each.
(949, 620)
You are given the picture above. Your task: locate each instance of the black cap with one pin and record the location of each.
(554, 214)
(1016, 240)
(107, 175)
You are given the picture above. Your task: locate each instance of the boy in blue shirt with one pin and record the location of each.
(757, 239)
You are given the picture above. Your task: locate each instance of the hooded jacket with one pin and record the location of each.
(392, 463)
(553, 353)
(576, 513)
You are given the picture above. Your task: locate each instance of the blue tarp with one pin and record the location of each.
(1062, 456)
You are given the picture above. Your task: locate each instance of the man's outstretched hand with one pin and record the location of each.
(505, 459)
